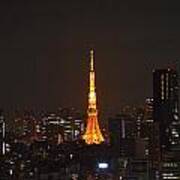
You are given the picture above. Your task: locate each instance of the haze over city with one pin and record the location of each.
(44, 51)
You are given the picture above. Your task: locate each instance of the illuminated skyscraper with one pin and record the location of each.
(165, 90)
(2, 135)
(178, 72)
(93, 133)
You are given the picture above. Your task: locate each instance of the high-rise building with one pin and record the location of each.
(24, 127)
(178, 72)
(72, 123)
(65, 125)
(52, 129)
(93, 133)
(148, 114)
(170, 166)
(2, 135)
(147, 125)
(165, 94)
(138, 115)
(122, 132)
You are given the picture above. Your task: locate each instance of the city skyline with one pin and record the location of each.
(44, 52)
(89, 90)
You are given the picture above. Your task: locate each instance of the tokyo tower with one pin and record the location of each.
(93, 133)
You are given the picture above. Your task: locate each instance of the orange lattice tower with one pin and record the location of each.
(93, 133)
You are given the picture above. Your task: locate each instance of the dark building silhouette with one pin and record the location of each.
(165, 94)
(122, 132)
(2, 134)
(178, 72)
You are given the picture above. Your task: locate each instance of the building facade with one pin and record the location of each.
(165, 94)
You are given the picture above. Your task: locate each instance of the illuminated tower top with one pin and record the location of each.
(92, 94)
(92, 60)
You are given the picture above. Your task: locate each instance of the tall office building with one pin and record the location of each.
(72, 122)
(148, 114)
(122, 133)
(165, 94)
(24, 127)
(147, 122)
(65, 125)
(2, 135)
(178, 71)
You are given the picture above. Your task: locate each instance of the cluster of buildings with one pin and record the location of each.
(139, 143)
(32, 138)
(64, 125)
(147, 140)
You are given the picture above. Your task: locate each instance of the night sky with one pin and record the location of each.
(44, 48)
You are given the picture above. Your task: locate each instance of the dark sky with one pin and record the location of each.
(44, 50)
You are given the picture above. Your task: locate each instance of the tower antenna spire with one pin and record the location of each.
(92, 60)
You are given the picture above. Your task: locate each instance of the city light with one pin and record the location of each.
(103, 165)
